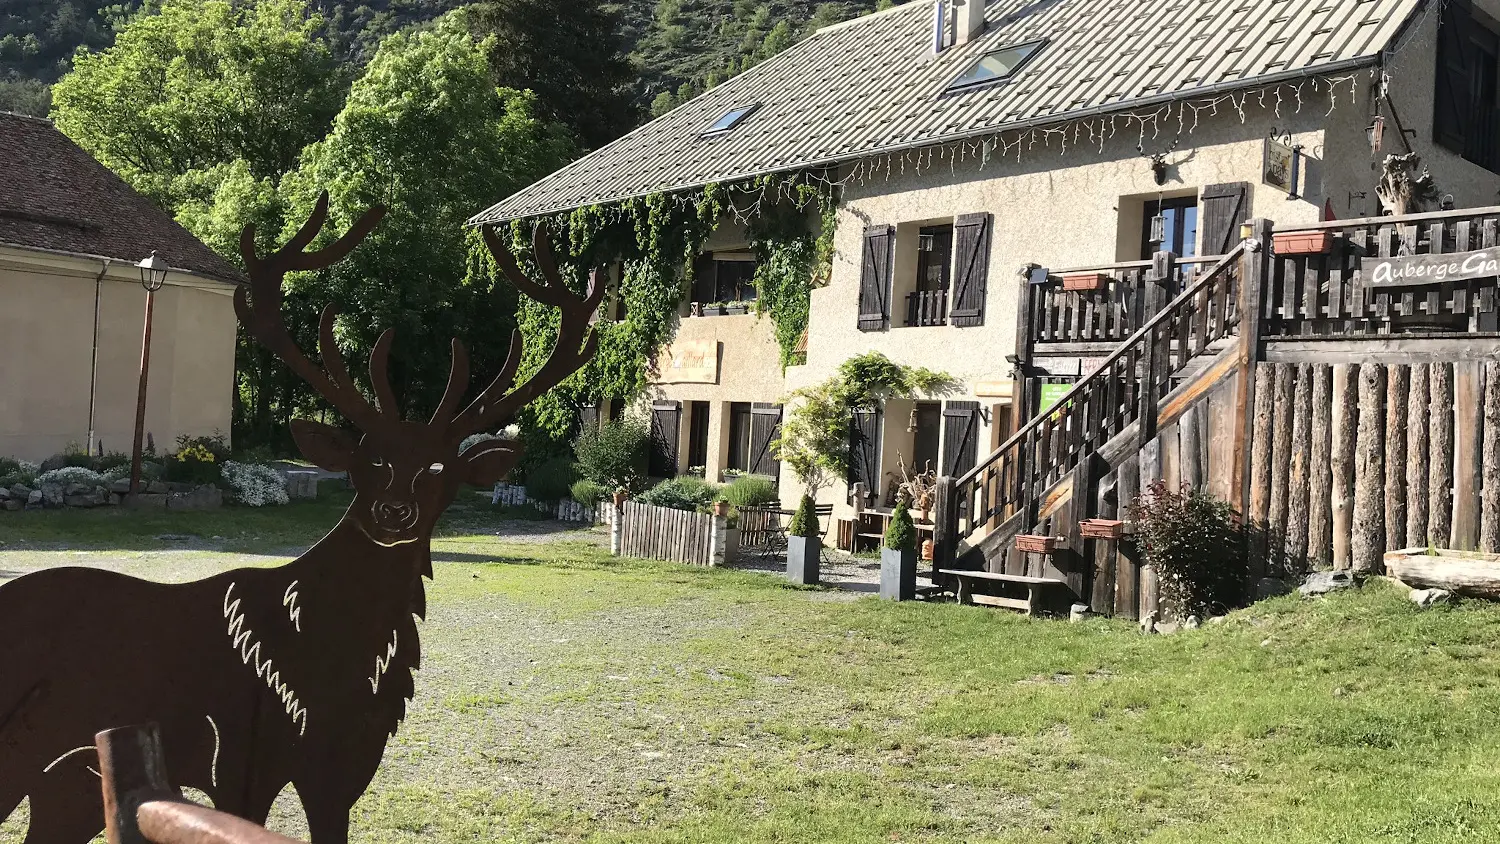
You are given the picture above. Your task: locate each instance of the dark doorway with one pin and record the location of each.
(739, 436)
(697, 434)
(924, 451)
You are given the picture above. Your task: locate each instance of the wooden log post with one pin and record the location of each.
(1367, 544)
(1281, 459)
(944, 523)
(1398, 393)
(1468, 439)
(1255, 270)
(1417, 453)
(1489, 526)
(1440, 463)
(1345, 422)
(1190, 467)
(1320, 470)
(1107, 506)
(1260, 458)
(1297, 484)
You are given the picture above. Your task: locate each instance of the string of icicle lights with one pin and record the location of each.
(1178, 118)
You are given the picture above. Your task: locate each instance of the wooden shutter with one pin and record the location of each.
(666, 419)
(971, 235)
(875, 278)
(588, 416)
(1452, 98)
(765, 427)
(1225, 208)
(960, 437)
(864, 451)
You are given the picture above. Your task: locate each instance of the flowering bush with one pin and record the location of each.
(254, 485)
(1197, 545)
(72, 475)
(13, 471)
(195, 464)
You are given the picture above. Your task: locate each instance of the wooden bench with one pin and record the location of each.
(1035, 586)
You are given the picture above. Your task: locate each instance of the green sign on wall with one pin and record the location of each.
(1052, 394)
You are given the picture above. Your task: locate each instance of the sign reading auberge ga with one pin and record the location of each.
(1413, 270)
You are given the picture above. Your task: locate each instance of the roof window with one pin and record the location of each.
(997, 65)
(731, 119)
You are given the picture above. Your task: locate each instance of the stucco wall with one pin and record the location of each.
(46, 346)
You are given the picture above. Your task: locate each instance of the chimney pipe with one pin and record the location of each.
(970, 20)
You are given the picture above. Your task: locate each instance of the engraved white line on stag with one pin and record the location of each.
(289, 600)
(383, 665)
(213, 767)
(54, 764)
(248, 649)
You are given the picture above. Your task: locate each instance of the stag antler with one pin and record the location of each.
(260, 313)
(575, 344)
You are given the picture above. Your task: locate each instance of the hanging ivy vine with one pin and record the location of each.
(654, 240)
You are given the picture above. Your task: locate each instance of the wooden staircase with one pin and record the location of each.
(1018, 512)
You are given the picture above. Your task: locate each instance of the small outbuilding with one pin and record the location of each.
(72, 306)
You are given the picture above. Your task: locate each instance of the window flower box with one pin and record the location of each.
(1303, 243)
(712, 310)
(1083, 282)
(737, 310)
(1030, 544)
(1111, 529)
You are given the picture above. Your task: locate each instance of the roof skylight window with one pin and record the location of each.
(731, 119)
(997, 65)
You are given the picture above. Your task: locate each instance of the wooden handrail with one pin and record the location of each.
(142, 807)
(1386, 221)
(1134, 265)
(1161, 316)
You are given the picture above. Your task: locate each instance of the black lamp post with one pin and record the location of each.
(153, 276)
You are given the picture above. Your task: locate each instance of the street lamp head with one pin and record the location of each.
(153, 272)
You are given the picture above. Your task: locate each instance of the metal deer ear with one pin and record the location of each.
(576, 343)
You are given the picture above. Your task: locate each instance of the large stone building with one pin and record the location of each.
(72, 306)
(977, 140)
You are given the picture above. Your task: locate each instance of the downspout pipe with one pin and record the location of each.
(94, 360)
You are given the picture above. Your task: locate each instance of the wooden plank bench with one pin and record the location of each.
(1035, 586)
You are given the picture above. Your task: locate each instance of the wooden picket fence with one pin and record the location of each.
(661, 533)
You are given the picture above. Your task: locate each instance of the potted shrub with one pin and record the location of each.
(804, 545)
(898, 559)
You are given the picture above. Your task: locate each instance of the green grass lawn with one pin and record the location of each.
(568, 696)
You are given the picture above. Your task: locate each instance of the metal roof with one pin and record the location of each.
(873, 85)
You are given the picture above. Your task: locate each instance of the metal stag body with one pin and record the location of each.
(264, 677)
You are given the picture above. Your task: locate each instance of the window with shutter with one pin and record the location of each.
(739, 436)
(666, 417)
(864, 451)
(960, 437)
(1225, 208)
(972, 233)
(875, 278)
(1466, 102)
(765, 426)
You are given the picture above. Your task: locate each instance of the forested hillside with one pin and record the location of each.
(678, 47)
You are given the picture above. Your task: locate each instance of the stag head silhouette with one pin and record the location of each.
(264, 677)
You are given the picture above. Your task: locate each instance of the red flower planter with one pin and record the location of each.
(1028, 544)
(1101, 528)
(1303, 243)
(1081, 282)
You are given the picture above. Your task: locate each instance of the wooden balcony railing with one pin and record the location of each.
(927, 307)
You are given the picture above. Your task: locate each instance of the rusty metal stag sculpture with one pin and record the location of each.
(264, 677)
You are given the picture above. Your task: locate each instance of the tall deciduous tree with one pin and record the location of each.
(425, 133)
(199, 85)
(570, 55)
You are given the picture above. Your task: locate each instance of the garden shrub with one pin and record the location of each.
(614, 454)
(588, 493)
(193, 464)
(684, 493)
(551, 480)
(254, 485)
(111, 461)
(752, 491)
(13, 471)
(805, 521)
(72, 475)
(1198, 548)
(902, 534)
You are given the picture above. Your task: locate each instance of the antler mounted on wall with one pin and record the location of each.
(264, 677)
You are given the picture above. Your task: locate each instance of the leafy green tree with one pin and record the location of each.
(199, 85)
(425, 134)
(572, 59)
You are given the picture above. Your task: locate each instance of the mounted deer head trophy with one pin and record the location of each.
(264, 677)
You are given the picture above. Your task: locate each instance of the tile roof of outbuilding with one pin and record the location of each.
(54, 196)
(873, 85)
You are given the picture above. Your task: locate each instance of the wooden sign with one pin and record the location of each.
(689, 362)
(1282, 166)
(1415, 270)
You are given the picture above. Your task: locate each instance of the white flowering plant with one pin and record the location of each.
(254, 485)
(68, 475)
